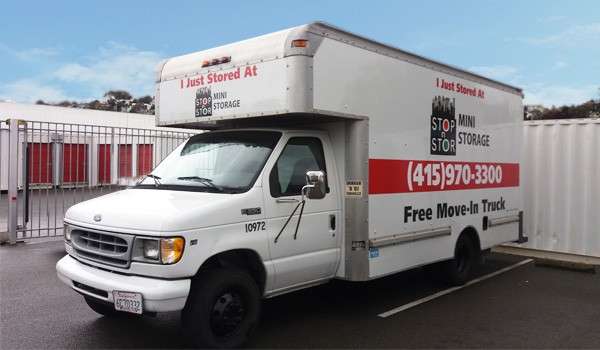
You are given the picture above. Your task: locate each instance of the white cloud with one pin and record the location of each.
(558, 95)
(578, 35)
(500, 72)
(31, 54)
(30, 90)
(115, 66)
(539, 93)
(111, 67)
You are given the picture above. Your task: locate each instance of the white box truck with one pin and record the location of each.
(331, 156)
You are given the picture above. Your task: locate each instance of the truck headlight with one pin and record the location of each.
(150, 249)
(158, 250)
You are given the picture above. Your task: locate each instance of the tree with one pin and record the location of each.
(65, 104)
(118, 95)
(95, 104)
(138, 108)
(144, 99)
(584, 110)
(115, 100)
(595, 112)
(536, 114)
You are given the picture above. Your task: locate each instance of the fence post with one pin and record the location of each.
(13, 179)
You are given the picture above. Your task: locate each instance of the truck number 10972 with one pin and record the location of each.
(255, 226)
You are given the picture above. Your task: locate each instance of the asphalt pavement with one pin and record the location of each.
(526, 307)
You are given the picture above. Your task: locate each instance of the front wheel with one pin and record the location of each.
(222, 309)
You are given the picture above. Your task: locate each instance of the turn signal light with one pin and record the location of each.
(171, 249)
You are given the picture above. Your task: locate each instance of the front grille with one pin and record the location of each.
(102, 242)
(108, 248)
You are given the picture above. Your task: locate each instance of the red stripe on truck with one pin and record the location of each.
(405, 176)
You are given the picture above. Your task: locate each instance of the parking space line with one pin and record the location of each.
(450, 290)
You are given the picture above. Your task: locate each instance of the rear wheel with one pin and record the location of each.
(466, 257)
(222, 309)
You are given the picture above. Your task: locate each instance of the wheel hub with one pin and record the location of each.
(227, 314)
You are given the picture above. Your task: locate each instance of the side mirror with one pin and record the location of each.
(315, 184)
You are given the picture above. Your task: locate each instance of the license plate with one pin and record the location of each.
(128, 302)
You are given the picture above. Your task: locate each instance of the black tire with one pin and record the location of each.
(222, 309)
(104, 309)
(466, 257)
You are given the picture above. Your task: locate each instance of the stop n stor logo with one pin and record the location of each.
(443, 126)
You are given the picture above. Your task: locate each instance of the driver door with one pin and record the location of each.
(315, 252)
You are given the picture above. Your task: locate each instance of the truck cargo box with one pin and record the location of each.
(425, 151)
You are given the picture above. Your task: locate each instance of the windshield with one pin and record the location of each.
(227, 162)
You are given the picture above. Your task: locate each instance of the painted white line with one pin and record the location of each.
(450, 290)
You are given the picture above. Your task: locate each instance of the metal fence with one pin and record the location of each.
(46, 167)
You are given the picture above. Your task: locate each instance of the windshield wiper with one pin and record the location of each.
(203, 180)
(156, 179)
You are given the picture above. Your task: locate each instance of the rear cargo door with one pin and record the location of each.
(314, 253)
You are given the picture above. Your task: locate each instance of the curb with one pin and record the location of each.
(567, 265)
(544, 258)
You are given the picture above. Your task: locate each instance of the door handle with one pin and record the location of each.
(332, 222)
(287, 200)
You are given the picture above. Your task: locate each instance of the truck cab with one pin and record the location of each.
(232, 201)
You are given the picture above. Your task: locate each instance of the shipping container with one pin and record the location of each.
(561, 167)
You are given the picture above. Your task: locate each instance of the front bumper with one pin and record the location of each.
(158, 295)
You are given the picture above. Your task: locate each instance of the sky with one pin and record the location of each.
(78, 50)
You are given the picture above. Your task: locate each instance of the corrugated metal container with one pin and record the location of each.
(561, 182)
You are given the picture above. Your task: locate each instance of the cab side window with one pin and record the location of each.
(301, 154)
